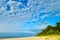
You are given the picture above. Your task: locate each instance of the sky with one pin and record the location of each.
(27, 15)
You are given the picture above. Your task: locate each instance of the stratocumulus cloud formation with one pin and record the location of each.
(27, 14)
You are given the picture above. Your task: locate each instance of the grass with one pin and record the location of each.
(50, 37)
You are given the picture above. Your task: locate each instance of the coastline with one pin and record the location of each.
(52, 37)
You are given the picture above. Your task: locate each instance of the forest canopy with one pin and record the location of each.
(51, 30)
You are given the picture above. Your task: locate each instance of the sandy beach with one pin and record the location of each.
(36, 38)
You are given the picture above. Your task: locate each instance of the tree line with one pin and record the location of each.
(51, 30)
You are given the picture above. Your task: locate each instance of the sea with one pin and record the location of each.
(18, 34)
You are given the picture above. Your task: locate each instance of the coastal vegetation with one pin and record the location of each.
(50, 30)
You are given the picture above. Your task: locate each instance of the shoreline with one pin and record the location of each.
(51, 37)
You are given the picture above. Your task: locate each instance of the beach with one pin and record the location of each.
(52, 37)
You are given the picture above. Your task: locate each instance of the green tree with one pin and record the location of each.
(58, 26)
(51, 30)
(49, 27)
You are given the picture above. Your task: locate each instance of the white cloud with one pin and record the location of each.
(27, 31)
(9, 27)
(13, 27)
(24, 15)
(57, 14)
(46, 15)
(10, 2)
(27, 11)
(42, 25)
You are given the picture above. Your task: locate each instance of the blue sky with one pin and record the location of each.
(25, 15)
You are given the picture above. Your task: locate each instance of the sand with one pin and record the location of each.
(36, 38)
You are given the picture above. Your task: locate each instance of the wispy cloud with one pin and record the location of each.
(27, 31)
(42, 25)
(23, 15)
(46, 15)
(58, 14)
(9, 27)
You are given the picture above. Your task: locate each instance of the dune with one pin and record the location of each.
(53, 37)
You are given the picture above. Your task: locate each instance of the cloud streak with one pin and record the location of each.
(57, 14)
